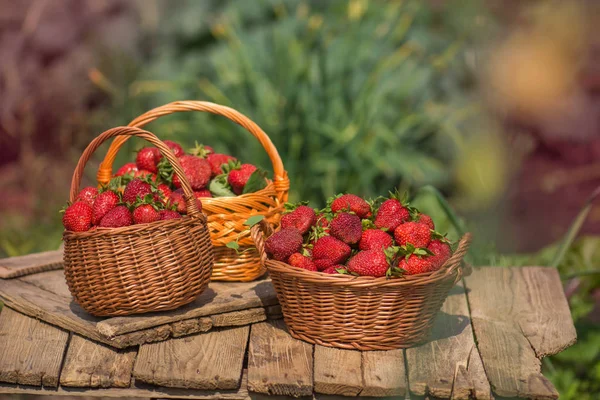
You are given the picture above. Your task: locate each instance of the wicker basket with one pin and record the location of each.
(226, 215)
(362, 313)
(139, 268)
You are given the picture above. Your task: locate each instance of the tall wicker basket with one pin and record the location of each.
(361, 313)
(226, 215)
(140, 268)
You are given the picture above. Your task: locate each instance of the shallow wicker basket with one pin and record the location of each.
(226, 215)
(140, 268)
(361, 313)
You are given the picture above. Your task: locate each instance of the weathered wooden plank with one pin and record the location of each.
(277, 363)
(383, 373)
(238, 318)
(337, 371)
(30, 264)
(137, 390)
(163, 332)
(220, 297)
(432, 366)
(90, 364)
(526, 318)
(211, 360)
(24, 341)
(51, 281)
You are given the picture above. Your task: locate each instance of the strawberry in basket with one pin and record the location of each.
(385, 237)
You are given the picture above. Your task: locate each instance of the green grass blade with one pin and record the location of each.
(445, 206)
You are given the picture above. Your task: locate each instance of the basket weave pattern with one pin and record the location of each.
(139, 268)
(360, 313)
(226, 215)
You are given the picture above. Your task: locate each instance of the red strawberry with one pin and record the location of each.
(237, 178)
(87, 195)
(148, 158)
(217, 160)
(178, 200)
(283, 243)
(441, 253)
(426, 219)
(164, 193)
(209, 149)
(346, 227)
(168, 214)
(145, 214)
(175, 147)
(331, 249)
(323, 264)
(369, 263)
(302, 218)
(134, 189)
(202, 193)
(416, 265)
(323, 221)
(78, 217)
(351, 202)
(333, 269)
(375, 239)
(117, 217)
(126, 169)
(391, 213)
(145, 175)
(105, 202)
(196, 169)
(415, 233)
(300, 261)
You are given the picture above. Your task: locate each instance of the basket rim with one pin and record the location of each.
(229, 199)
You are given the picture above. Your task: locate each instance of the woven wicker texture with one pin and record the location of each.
(226, 215)
(139, 268)
(361, 313)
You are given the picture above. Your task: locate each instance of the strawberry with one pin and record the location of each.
(164, 192)
(346, 227)
(145, 175)
(134, 189)
(217, 160)
(323, 221)
(426, 219)
(283, 243)
(333, 269)
(391, 213)
(87, 195)
(201, 150)
(302, 218)
(147, 159)
(416, 265)
(237, 178)
(144, 214)
(168, 214)
(331, 249)
(375, 239)
(415, 233)
(369, 263)
(175, 147)
(117, 217)
(196, 169)
(323, 264)
(126, 169)
(177, 199)
(353, 203)
(105, 202)
(300, 261)
(209, 149)
(78, 217)
(441, 253)
(202, 193)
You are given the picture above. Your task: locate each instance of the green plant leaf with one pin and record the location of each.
(219, 187)
(233, 245)
(253, 220)
(256, 182)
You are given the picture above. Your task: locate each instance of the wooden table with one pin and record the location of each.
(231, 343)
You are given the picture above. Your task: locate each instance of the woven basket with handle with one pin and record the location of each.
(226, 215)
(358, 312)
(139, 268)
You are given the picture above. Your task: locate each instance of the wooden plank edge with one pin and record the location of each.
(14, 267)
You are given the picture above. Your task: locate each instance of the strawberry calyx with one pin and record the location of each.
(230, 166)
(199, 150)
(291, 207)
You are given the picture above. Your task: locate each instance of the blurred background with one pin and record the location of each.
(487, 111)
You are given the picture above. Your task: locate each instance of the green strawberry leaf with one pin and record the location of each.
(253, 220)
(342, 271)
(422, 251)
(256, 182)
(368, 224)
(230, 166)
(233, 245)
(199, 150)
(219, 187)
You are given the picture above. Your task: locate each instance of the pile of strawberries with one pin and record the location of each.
(149, 190)
(382, 237)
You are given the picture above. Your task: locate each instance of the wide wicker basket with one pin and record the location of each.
(140, 268)
(361, 313)
(226, 215)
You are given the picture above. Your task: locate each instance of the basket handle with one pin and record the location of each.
(259, 233)
(126, 131)
(280, 178)
(455, 259)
